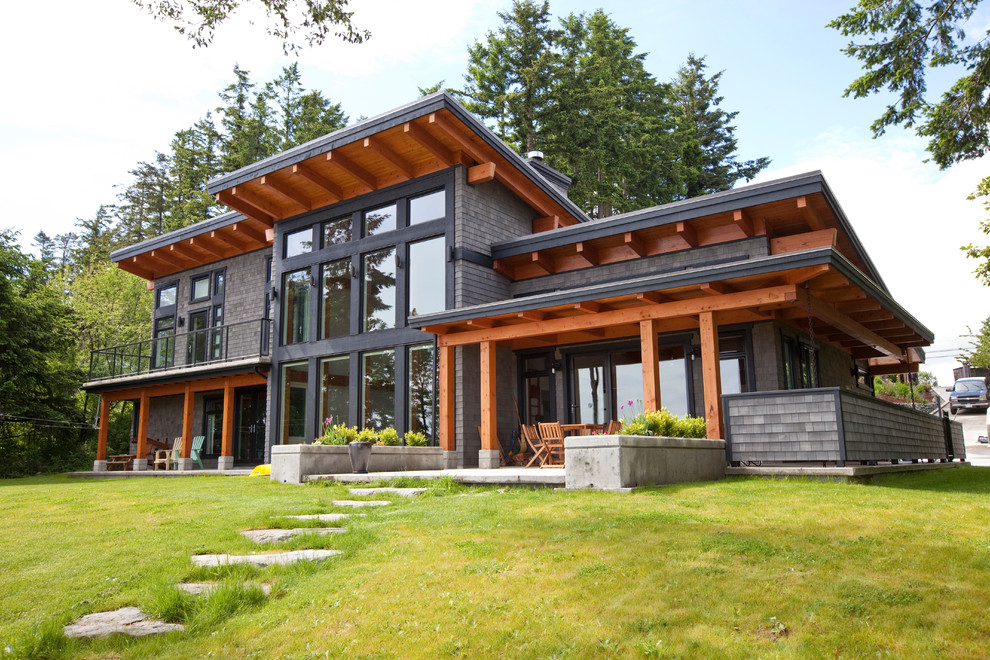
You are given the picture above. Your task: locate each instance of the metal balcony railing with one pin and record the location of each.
(227, 343)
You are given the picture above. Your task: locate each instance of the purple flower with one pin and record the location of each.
(629, 403)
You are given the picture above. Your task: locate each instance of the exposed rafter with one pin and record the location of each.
(377, 146)
(323, 183)
(352, 169)
(286, 192)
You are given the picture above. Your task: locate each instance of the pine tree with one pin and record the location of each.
(315, 116)
(707, 133)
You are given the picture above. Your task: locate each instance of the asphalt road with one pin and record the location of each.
(974, 425)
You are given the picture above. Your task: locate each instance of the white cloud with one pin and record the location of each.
(912, 219)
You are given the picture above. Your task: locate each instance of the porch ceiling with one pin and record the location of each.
(819, 293)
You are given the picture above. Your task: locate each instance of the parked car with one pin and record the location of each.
(969, 394)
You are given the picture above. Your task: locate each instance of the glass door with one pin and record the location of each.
(197, 342)
(538, 400)
(249, 425)
(212, 425)
(589, 398)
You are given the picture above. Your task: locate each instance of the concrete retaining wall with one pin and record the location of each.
(614, 462)
(292, 463)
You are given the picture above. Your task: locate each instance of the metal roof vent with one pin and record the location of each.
(535, 155)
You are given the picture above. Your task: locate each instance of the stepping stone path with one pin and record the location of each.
(323, 517)
(275, 558)
(276, 535)
(405, 492)
(129, 621)
(361, 503)
(199, 588)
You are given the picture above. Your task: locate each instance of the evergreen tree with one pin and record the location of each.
(707, 133)
(315, 116)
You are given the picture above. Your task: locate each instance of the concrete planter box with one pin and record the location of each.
(616, 462)
(292, 463)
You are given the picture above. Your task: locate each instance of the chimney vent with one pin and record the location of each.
(535, 155)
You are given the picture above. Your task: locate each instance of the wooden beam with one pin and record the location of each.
(481, 173)
(270, 235)
(546, 223)
(377, 146)
(868, 305)
(251, 233)
(840, 321)
(205, 244)
(184, 251)
(711, 378)
(543, 261)
(802, 275)
(138, 268)
(441, 121)
(228, 238)
(144, 404)
(588, 307)
(687, 234)
(504, 269)
(351, 168)
(769, 298)
(715, 288)
(652, 298)
(489, 405)
(809, 214)
(188, 404)
(446, 408)
(227, 433)
(587, 252)
(532, 315)
(101, 438)
(167, 256)
(650, 352)
(286, 192)
(742, 220)
(804, 241)
(205, 384)
(323, 183)
(240, 204)
(635, 242)
(423, 138)
(482, 323)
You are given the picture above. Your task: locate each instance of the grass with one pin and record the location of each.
(734, 569)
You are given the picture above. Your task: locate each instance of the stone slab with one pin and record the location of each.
(128, 620)
(323, 517)
(203, 588)
(360, 503)
(276, 535)
(277, 558)
(405, 492)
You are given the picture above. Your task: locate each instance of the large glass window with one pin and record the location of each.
(378, 308)
(295, 379)
(538, 391)
(674, 380)
(163, 347)
(427, 207)
(732, 364)
(167, 295)
(427, 276)
(218, 278)
(201, 288)
(379, 220)
(298, 242)
(378, 389)
(422, 385)
(337, 231)
(335, 301)
(295, 307)
(589, 389)
(335, 381)
(800, 364)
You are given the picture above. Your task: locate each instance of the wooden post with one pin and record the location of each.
(227, 435)
(187, 422)
(710, 374)
(445, 408)
(101, 443)
(489, 431)
(650, 352)
(143, 408)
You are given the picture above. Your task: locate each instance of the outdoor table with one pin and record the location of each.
(581, 429)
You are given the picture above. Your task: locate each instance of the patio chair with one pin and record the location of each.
(553, 439)
(197, 450)
(614, 427)
(532, 437)
(169, 458)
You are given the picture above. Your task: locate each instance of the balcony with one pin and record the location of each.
(198, 350)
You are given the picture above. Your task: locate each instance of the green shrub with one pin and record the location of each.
(414, 439)
(366, 435)
(663, 423)
(337, 434)
(388, 437)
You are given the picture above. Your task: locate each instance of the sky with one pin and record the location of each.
(95, 87)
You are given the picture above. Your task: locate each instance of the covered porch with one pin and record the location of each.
(816, 294)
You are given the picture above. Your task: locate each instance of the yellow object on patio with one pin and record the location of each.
(261, 471)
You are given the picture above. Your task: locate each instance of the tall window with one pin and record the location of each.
(800, 364)
(732, 364)
(163, 346)
(378, 307)
(379, 220)
(298, 242)
(295, 379)
(335, 383)
(427, 207)
(422, 386)
(378, 389)
(427, 276)
(335, 301)
(295, 307)
(167, 295)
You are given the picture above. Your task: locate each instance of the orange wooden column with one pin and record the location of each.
(187, 422)
(489, 431)
(143, 409)
(445, 407)
(710, 374)
(650, 352)
(227, 436)
(101, 442)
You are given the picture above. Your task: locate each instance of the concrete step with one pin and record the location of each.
(405, 492)
(360, 503)
(276, 535)
(275, 558)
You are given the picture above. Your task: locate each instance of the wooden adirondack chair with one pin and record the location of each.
(197, 450)
(169, 458)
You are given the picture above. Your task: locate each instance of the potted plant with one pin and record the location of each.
(359, 450)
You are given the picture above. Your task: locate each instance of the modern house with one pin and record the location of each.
(413, 271)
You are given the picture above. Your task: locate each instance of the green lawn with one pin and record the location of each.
(739, 568)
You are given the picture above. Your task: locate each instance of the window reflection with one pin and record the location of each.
(422, 379)
(295, 307)
(335, 303)
(337, 231)
(298, 242)
(378, 308)
(427, 277)
(295, 379)
(379, 220)
(378, 389)
(335, 388)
